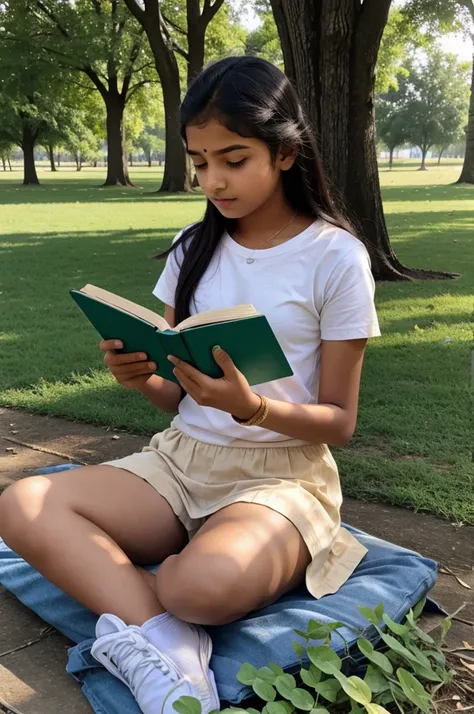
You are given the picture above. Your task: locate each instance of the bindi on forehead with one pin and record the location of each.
(205, 151)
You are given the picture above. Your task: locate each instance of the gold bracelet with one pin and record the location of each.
(259, 416)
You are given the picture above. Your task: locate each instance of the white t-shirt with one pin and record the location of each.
(316, 286)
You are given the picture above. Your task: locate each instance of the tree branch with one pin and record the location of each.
(136, 10)
(93, 76)
(132, 59)
(210, 9)
(52, 17)
(137, 86)
(174, 25)
(180, 51)
(97, 7)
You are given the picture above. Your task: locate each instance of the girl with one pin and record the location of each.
(239, 499)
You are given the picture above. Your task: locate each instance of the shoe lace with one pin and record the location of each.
(123, 654)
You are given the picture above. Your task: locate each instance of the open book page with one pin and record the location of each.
(126, 305)
(212, 316)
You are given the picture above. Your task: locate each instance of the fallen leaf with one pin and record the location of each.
(468, 666)
(14, 431)
(11, 449)
(115, 436)
(459, 705)
(467, 645)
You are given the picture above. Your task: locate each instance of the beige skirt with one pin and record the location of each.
(300, 482)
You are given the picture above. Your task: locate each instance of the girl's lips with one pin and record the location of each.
(224, 201)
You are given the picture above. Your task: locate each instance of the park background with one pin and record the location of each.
(95, 182)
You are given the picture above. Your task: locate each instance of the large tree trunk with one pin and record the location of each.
(4, 163)
(117, 170)
(51, 157)
(390, 162)
(440, 155)
(330, 49)
(175, 177)
(198, 17)
(28, 141)
(10, 164)
(467, 173)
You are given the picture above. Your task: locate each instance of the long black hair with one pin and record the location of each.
(253, 98)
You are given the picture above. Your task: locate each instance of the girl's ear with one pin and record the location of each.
(286, 158)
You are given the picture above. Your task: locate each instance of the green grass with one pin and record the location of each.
(413, 436)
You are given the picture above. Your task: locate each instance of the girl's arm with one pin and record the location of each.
(333, 420)
(162, 393)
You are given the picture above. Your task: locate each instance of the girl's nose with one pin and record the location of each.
(215, 181)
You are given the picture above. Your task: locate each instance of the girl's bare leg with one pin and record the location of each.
(82, 528)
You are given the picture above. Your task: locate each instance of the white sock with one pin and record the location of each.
(176, 639)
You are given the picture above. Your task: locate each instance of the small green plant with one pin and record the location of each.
(403, 673)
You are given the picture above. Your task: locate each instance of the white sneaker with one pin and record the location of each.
(153, 678)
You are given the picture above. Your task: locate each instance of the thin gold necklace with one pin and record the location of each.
(251, 259)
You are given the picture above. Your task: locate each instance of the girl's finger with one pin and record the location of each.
(134, 369)
(187, 384)
(186, 368)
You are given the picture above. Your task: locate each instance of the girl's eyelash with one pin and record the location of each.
(230, 164)
(236, 164)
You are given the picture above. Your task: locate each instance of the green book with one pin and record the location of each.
(241, 331)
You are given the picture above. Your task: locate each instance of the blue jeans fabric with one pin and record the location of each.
(388, 573)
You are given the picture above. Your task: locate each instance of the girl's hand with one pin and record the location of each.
(230, 393)
(131, 369)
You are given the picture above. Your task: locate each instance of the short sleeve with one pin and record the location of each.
(348, 311)
(165, 288)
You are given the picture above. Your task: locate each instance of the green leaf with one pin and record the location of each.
(250, 711)
(356, 709)
(264, 690)
(298, 648)
(379, 610)
(421, 658)
(311, 676)
(267, 674)
(426, 672)
(419, 607)
(319, 710)
(302, 634)
(276, 668)
(329, 689)
(369, 614)
(413, 690)
(395, 626)
(285, 684)
(375, 680)
(437, 655)
(376, 709)
(445, 627)
(279, 708)
(302, 699)
(187, 705)
(397, 647)
(423, 636)
(247, 673)
(324, 658)
(319, 633)
(377, 658)
(355, 688)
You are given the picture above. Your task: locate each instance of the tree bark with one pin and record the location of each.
(330, 49)
(51, 157)
(117, 170)
(4, 163)
(28, 141)
(175, 177)
(467, 173)
(424, 151)
(9, 163)
(58, 160)
(440, 155)
(197, 20)
(390, 162)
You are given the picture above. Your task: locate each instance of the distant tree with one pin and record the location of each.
(265, 41)
(435, 99)
(6, 150)
(100, 39)
(391, 129)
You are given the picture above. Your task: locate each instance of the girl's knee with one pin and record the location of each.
(202, 595)
(21, 507)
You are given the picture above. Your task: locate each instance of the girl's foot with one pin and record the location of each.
(157, 679)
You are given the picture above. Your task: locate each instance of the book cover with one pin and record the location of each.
(249, 341)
